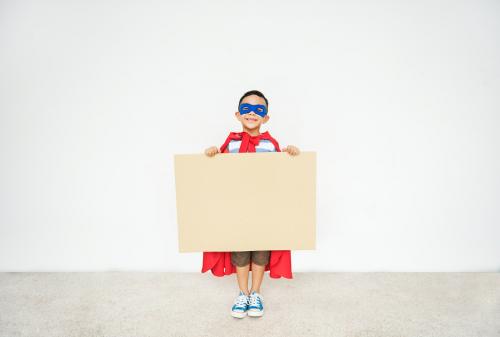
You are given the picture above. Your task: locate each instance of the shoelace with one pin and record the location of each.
(255, 300)
(241, 301)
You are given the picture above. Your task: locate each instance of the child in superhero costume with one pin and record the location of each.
(252, 113)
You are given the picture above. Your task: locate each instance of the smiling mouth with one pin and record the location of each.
(251, 119)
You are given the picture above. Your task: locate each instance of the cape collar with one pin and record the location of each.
(248, 142)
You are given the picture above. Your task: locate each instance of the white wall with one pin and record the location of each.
(399, 99)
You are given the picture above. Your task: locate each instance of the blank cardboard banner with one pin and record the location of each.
(246, 201)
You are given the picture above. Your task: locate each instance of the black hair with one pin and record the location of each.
(253, 92)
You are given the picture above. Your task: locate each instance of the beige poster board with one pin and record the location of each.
(246, 201)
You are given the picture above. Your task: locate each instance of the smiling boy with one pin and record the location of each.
(251, 122)
(252, 114)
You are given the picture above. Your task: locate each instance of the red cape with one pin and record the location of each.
(280, 261)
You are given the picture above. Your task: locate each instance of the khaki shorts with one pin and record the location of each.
(259, 257)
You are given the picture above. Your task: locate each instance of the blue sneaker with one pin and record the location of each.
(256, 305)
(240, 306)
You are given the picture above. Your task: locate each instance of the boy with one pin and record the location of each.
(252, 113)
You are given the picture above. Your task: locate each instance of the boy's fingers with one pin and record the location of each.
(211, 151)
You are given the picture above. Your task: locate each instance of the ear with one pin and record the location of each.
(266, 118)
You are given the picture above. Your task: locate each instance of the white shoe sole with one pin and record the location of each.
(255, 313)
(238, 314)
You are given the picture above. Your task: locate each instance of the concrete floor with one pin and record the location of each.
(126, 304)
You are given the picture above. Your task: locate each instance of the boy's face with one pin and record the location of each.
(251, 120)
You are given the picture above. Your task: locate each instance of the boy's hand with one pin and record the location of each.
(292, 150)
(212, 151)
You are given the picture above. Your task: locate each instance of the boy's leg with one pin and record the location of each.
(259, 260)
(242, 262)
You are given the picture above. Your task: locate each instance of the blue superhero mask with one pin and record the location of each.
(259, 109)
